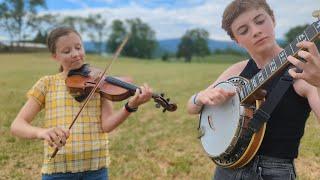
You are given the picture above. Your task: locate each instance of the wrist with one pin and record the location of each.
(129, 108)
(195, 100)
(39, 133)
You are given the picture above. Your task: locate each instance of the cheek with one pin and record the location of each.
(82, 53)
(269, 28)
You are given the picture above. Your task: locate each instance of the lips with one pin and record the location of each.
(260, 40)
(75, 61)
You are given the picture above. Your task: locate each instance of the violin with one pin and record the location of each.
(81, 81)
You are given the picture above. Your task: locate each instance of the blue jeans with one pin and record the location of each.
(101, 174)
(260, 168)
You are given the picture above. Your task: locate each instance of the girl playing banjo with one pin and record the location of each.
(251, 23)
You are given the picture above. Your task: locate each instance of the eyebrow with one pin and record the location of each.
(65, 48)
(258, 16)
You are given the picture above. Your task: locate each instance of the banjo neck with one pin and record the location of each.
(278, 63)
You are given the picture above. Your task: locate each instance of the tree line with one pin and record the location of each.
(20, 20)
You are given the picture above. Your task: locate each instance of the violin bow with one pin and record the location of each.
(115, 56)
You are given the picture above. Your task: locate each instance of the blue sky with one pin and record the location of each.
(172, 18)
(79, 4)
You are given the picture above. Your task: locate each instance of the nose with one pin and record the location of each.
(74, 53)
(256, 31)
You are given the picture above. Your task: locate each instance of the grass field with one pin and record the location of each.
(150, 144)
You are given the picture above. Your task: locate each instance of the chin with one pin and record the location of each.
(76, 66)
(264, 47)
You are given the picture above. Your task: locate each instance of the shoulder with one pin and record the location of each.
(237, 68)
(233, 70)
(45, 81)
(51, 78)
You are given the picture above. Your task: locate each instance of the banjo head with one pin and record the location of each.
(219, 124)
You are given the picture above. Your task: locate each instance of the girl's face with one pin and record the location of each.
(254, 30)
(69, 52)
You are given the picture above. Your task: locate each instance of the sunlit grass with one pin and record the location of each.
(150, 144)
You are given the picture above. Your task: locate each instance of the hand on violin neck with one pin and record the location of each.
(141, 96)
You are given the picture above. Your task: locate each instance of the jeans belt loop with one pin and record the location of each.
(256, 162)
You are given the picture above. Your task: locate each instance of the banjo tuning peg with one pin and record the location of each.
(316, 14)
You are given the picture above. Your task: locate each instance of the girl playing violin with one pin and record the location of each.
(84, 149)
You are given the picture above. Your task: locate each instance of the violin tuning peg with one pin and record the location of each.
(168, 99)
(157, 105)
(164, 110)
(161, 94)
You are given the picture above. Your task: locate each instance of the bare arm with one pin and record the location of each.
(21, 127)
(110, 120)
(214, 95)
(314, 102)
(310, 92)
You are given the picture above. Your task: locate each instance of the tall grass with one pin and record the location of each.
(150, 144)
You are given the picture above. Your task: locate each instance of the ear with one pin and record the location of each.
(236, 41)
(54, 56)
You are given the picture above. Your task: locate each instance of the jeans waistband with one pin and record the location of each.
(267, 159)
(273, 159)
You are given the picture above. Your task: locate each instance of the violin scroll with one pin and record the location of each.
(165, 103)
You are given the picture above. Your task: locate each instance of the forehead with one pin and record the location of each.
(247, 16)
(68, 40)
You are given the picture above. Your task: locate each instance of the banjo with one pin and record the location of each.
(224, 129)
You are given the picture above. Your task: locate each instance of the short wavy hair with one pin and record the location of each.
(237, 7)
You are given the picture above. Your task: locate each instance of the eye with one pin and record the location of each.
(260, 19)
(243, 30)
(78, 47)
(259, 22)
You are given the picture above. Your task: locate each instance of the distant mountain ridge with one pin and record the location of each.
(171, 46)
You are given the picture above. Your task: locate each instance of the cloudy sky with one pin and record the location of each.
(171, 18)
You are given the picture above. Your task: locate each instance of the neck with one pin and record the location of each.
(263, 58)
(64, 74)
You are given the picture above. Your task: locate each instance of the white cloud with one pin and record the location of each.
(79, 2)
(172, 23)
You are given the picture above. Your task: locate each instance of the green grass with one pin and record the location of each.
(150, 144)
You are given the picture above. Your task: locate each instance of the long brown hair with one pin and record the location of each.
(55, 34)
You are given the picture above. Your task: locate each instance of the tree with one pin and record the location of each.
(78, 23)
(118, 33)
(46, 22)
(193, 42)
(142, 41)
(295, 31)
(96, 29)
(16, 16)
(185, 48)
(40, 37)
